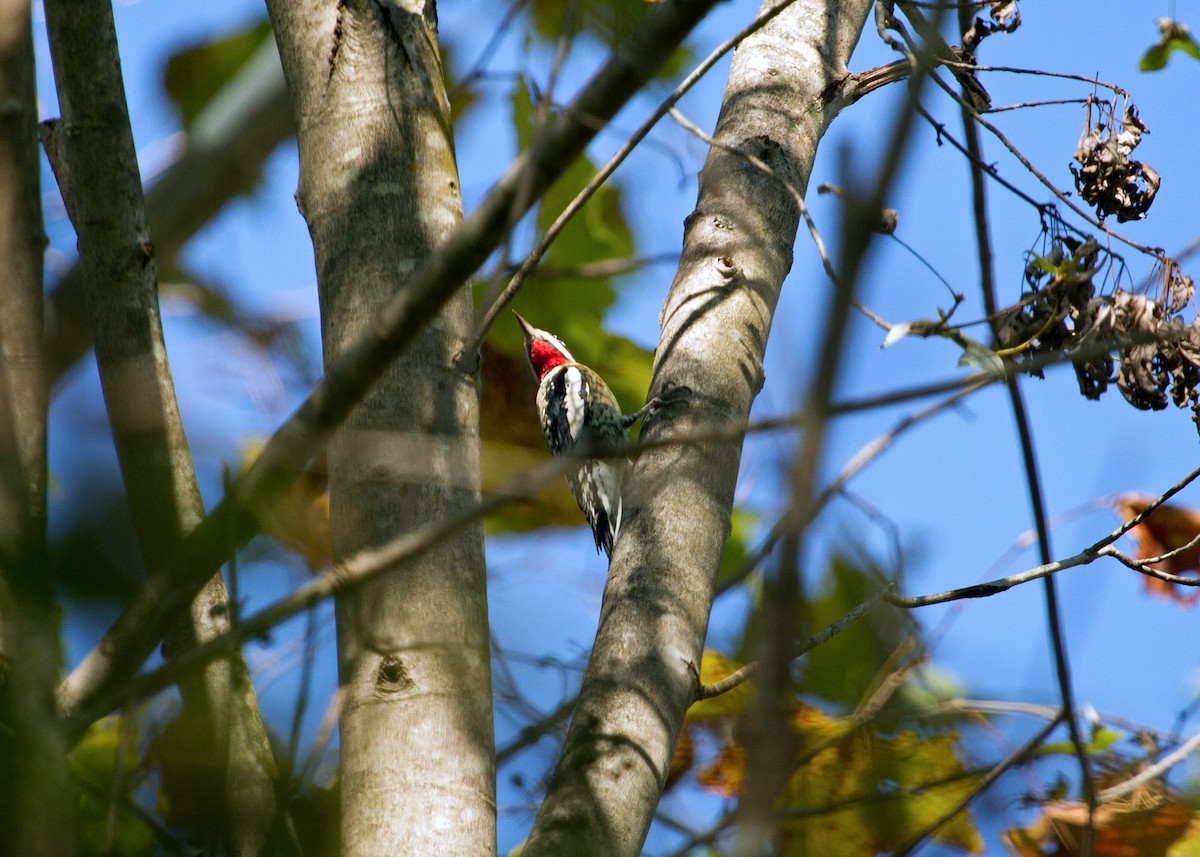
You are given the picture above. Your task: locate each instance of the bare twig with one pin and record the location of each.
(1029, 458)
(857, 462)
(1084, 557)
(708, 691)
(1154, 771)
(535, 732)
(1143, 564)
(797, 198)
(364, 565)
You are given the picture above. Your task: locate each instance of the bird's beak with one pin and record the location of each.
(525, 326)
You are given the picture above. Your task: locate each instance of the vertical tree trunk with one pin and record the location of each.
(37, 805)
(379, 189)
(642, 675)
(96, 163)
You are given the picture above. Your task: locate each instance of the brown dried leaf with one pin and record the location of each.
(1120, 830)
(1168, 528)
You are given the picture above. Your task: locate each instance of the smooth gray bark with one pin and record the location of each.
(379, 189)
(781, 96)
(104, 198)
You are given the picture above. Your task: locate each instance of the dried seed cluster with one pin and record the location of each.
(1107, 177)
(1136, 341)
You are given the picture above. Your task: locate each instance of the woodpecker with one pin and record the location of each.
(578, 411)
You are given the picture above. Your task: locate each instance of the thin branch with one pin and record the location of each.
(1029, 459)
(769, 734)
(1084, 557)
(708, 691)
(221, 157)
(1053, 614)
(355, 570)
(535, 732)
(1154, 771)
(1082, 78)
(857, 462)
(1143, 566)
(1048, 103)
(1154, 252)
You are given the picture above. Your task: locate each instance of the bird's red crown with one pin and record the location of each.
(545, 350)
(544, 356)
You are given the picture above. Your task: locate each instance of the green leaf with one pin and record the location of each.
(93, 764)
(1174, 37)
(1102, 741)
(861, 791)
(196, 74)
(843, 669)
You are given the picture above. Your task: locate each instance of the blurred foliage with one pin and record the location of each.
(113, 769)
(106, 766)
(317, 819)
(856, 788)
(863, 792)
(191, 777)
(195, 75)
(847, 667)
(1158, 827)
(607, 21)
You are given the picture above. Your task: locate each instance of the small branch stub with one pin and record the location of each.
(726, 267)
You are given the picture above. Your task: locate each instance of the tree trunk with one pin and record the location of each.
(93, 153)
(642, 675)
(37, 804)
(379, 189)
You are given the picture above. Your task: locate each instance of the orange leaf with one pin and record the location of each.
(727, 774)
(681, 759)
(1168, 528)
(300, 520)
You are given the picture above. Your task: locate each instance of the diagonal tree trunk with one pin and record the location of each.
(782, 94)
(93, 153)
(379, 189)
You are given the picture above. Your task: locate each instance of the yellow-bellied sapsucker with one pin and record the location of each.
(579, 413)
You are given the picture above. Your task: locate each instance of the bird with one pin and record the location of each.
(579, 414)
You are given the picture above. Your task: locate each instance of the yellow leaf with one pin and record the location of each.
(714, 667)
